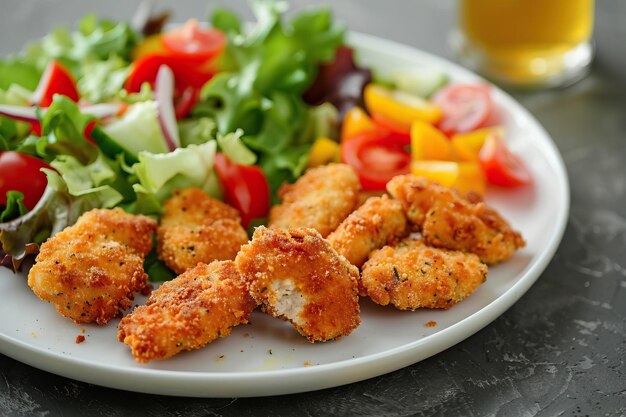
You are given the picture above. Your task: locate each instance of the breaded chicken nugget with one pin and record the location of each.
(91, 271)
(413, 275)
(376, 223)
(198, 228)
(115, 224)
(297, 276)
(188, 312)
(452, 221)
(321, 199)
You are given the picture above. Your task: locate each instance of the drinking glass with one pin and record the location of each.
(526, 43)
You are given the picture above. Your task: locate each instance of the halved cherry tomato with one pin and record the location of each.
(377, 156)
(501, 166)
(21, 172)
(193, 41)
(56, 79)
(244, 187)
(399, 107)
(465, 107)
(394, 127)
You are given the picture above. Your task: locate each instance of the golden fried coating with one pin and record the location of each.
(452, 221)
(376, 223)
(321, 199)
(188, 312)
(115, 224)
(198, 228)
(91, 271)
(297, 276)
(413, 275)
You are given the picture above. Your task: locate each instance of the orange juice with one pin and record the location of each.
(527, 41)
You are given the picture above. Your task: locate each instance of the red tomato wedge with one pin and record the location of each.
(189, 77)
(186, 73)
(465, 107)
(501, 166)
(377, 156)
(244, 187)
(185, 101)
(56, 79)
(193, 41)
(21, 172)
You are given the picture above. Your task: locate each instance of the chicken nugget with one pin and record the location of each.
(413, 275)
(452, 221)
(297, 276)
(115, 224)
(188, 312)
(321, 199)
(198, 228)
(91, 271)
(376, 223)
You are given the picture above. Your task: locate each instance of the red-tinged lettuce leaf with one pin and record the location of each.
(22, 236)
(340, 82)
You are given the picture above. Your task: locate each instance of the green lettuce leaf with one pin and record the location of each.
(234, 148)
(159, 174)
(63, 126)
(266, 70)
(14, 208)
(138, 129)
(98, 55)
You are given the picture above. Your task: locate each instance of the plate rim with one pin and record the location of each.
(288, 381)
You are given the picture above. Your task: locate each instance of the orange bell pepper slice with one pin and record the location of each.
(428, 142)
(356, 121)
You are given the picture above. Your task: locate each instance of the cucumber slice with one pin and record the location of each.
(419, 81)
(110, 147)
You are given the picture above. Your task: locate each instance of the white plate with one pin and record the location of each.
(268, 357)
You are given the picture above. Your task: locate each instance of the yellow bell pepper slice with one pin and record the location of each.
(150, 45)
(323, 151)
(428, 142)
(464, 176)
(354, 122)
(466, 146)
(399, 106)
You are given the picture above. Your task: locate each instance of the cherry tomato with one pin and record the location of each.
(56, 79)
(377, 156)
(186, 73)
(465, 107)
(21, 172)
(501, 166)
(193, 41)
(400, 130)
(244, 187)
(185, 101)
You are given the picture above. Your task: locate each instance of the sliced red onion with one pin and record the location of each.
(164, 93)
(21, 113)
(102, 110)
(43, 82)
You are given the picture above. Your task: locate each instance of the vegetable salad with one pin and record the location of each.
(111, 115)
